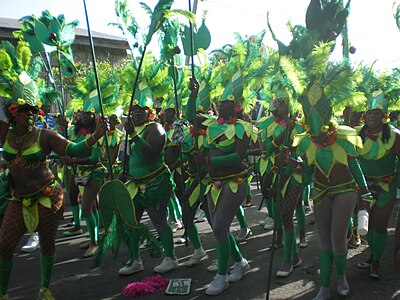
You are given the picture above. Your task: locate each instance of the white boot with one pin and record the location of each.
(132, 267)
(198, 254)
(32, 244)
(323, 294)
(238, 270)
(342, 285)
(168, 264)
(218, 285)
(269, 223)
(243, 234)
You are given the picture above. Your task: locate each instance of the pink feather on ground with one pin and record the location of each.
(149, 285)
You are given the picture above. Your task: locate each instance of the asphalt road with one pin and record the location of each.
(74, 279)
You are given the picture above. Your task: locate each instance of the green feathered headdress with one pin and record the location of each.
(378, 101)
(240, 70)
(155, 75)
(281, 88)
(381, 90)
(25, 91)
(325, 86)
(85, 95)
(18, 75)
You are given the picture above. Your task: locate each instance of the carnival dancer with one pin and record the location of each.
(378, 161)
(265, 163)
(228, 140)
(280, 130)
(74, 197)
(330, 151)
(245, 231)
(149, 181)
(90, 174)
(172, 156)
(37, 198)
(196, 184)
(352, 117)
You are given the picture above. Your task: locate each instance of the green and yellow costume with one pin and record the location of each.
(378, 162)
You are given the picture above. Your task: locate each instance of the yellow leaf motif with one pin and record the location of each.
(314, 93)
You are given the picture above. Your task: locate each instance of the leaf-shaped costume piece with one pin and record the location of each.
(158, 17)
(201, 39)
(117, 212)
(345, 142)
(48, 34)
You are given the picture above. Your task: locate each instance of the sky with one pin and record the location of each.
(372, 27)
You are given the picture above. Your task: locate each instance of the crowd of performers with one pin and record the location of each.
(196, 154)
(213, 173)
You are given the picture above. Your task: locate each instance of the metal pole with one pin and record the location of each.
(110, 168)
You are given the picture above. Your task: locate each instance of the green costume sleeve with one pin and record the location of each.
(95, 155)
(226, 160)
(76, 149)
(358, 175)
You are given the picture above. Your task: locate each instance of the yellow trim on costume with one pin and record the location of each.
(338, 152)
(383, 148)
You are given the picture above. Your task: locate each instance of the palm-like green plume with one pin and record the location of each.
(12, 62)
(84, 91)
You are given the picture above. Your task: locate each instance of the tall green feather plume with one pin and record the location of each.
(84, 90)
(23, 55)
(14, 61)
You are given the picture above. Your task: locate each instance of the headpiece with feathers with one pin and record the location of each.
(18, 74)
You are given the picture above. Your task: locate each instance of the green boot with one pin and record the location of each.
(93, 228)
(341, 280)
(234, 249)
(46, 269)
(325, 265)
(5, 271)
(223, 254)
(193, 235)
(167, 239)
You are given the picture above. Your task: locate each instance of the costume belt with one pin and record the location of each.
(216, 184)
(332, 191)
(30, 203)
(135, 183)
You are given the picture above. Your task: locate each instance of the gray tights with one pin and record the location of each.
(332, 216)
(227, 205)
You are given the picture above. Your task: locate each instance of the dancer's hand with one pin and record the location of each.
(194, 86)
(101, 128)
(129, 126)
